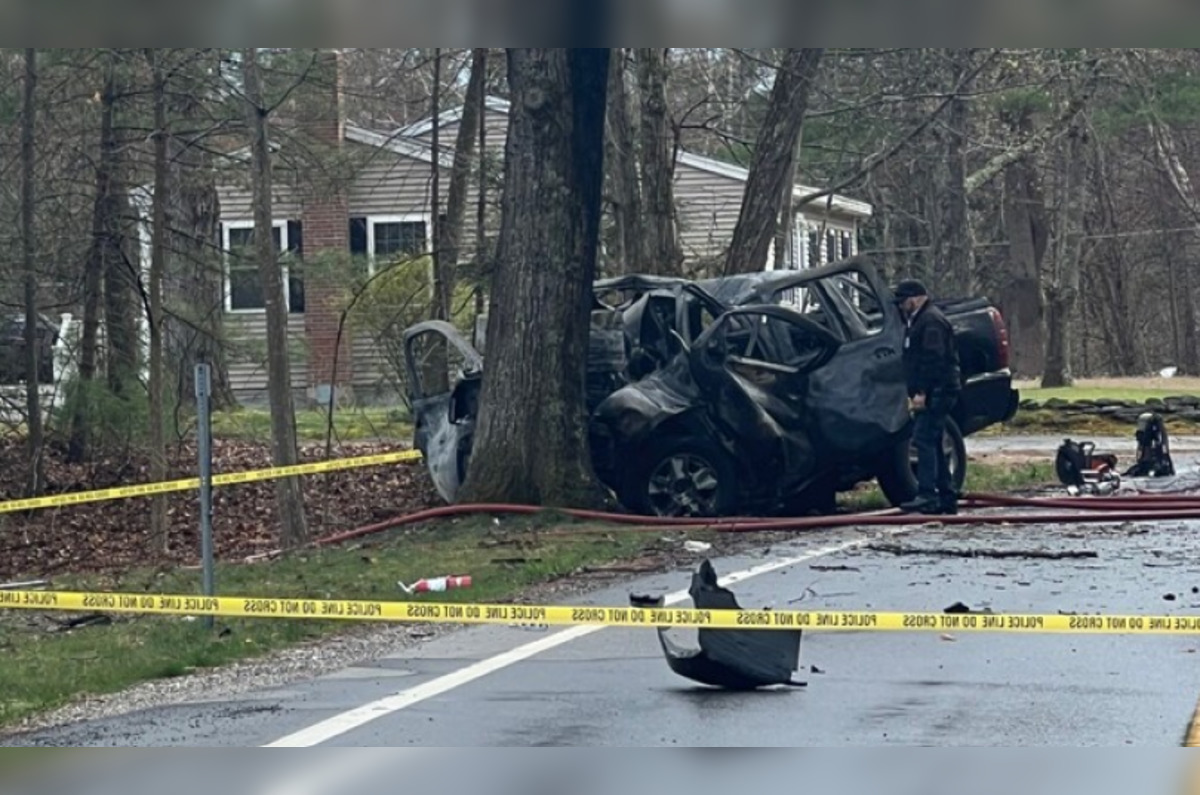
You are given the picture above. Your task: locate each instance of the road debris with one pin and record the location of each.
(730, 659)
(1000, 554)
(438, 585)
(697, 547)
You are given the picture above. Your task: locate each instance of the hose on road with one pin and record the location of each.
(985, 509)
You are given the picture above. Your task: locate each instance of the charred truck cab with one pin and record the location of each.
(759, 394)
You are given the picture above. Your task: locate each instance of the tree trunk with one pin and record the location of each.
(154, 310)
(661, 247)
(35, 442)
(290, 496)
(956, 243)
(460, 176)
(1021, 297)
(1115, 316)
(773, 165)
(194, 281)
(531, 446)
(104, 250)
(622, 157)
(1172, 165)
(1062, 288)
(120, 285)
(442, 289)
(482, 260)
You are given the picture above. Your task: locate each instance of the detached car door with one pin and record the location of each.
(444, 378)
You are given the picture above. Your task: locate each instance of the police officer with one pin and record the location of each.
(934, 384)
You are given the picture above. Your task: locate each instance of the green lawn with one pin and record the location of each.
(1137, 390)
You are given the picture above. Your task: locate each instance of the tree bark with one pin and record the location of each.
(442, 289)
(289, 495)
(154, 309)
(1172, 166)
(482, 260)
(194, 293)
(622, 158)
(120, 286)
(956, 242)
(105, 249)
(531, 446)
(35, 441)
(773, 165)
(1021, 298)
(1062, 287)
(460, 176)
(1114, 313)
(661, 248)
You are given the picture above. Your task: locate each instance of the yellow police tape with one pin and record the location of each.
(192, 484)
(628, 617)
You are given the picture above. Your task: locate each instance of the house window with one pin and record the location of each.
(387, 240)
(814, 249)
(847, 245)
(243, 287)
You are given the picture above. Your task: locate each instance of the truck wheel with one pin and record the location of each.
(682, 478)
(898, 479)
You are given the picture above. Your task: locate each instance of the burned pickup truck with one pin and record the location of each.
(764, 394)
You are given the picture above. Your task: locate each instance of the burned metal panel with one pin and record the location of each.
(444, 421)
(730, 659)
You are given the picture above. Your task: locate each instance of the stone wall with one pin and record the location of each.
(1182, 408)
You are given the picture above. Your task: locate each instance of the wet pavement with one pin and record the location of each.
(613, 688)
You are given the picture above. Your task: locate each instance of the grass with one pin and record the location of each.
(44, 670)
(1043, 421)
(1136, 390)
(981, 479)
(350, 425)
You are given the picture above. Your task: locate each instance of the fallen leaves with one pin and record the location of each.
(112, 536)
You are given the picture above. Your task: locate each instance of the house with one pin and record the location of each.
(708, 195)
(379, 205)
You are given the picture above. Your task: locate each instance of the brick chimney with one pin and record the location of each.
(326, 236)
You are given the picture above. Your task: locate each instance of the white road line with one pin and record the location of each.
(357, 718)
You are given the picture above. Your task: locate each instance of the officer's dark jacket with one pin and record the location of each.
(930, 355)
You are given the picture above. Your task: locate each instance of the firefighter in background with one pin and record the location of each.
(934, 384)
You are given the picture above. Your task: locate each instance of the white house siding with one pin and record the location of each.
(708, 207)
(237, 200)
(247, 355)
(497, 132)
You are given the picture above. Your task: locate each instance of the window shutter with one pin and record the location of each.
(358, 237)
(296, 238)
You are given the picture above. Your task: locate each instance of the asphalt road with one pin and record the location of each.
(612, 687)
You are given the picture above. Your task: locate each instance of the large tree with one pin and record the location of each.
(773, 169)
(289, 495)
(531, 446)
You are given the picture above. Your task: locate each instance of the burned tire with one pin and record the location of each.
(682, 478)
(898, 479)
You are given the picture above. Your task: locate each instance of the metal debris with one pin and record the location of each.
(730, 659)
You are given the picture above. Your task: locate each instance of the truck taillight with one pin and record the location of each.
(1002, 342)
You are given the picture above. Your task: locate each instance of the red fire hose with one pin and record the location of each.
(1101, 510)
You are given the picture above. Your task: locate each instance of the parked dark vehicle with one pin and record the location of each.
(758, 394)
